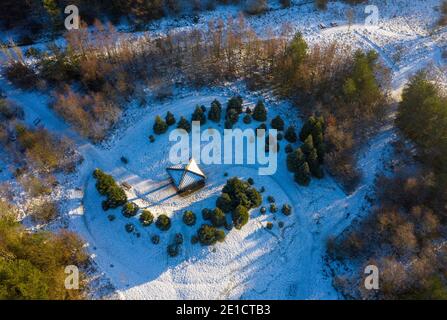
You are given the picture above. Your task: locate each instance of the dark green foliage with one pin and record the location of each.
(130, 209)
(215, 111)
(206, 213)
(32, 264)
(286, 209)
(224, 202)
(240, 216)
(289, 149)
(155, 239)
(146, 218)
(232, 116)
(314, 164)
(209, 235)
(250, 181)
(303, 175)
(247, 119)
(361, 86)
(194, 239)
(129, 227)
(163, 222)
(170, 119)
(178, 238)
(270, 199)
(160, 125)
(241, 193)
(173, 250)
(235, 104)
(218, 218)
(199, 115)
(259, 112)
(106, 186)
(124, 160)
(189, 218)
(184, 124)
(291, 135)
(273, 208)
(308, 146)
(277, 123)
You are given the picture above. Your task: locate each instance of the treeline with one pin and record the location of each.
(48, 15)
(32, 264)
(108, 70)
(405, 235)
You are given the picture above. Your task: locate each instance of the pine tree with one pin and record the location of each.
(260, 113)
(199, 115)
(302, 177)
(160, 126)
(215, 111)
(291, 135)
(314, 164)
(308, 145)
(235, 103)
(295, 160)
(184, 124)
(170, 119)
(277, 123)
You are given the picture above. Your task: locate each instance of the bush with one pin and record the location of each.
(106, 185)
(241, 193)
(189, 218)
(235, 103)
(232, 117)
(178, 238)
(130, 209)
(286, 209)
(163, 222)
(151, 138)
(194, 239)
(129, 227)
(173, 250)
(206, 213)
(270, 199)
(291, 135)
(146, 218)
(170, 119)
(277, 123)
(302, 176)
(240, 216)
(269, 226)
(273, 208)
(124, 160)
(199, 115)
(280, 224)
(247, 119)
(260, 113)
(218, 218)
(184, 124)
(215, 112)
(209, 235)
(250, 181)
(160, 125)
(224, 202)
(155, 239)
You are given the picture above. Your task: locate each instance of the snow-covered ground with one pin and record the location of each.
(284, 263)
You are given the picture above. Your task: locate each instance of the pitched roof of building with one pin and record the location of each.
(185, 175)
